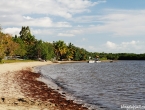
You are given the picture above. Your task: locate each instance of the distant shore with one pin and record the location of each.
(20, 89)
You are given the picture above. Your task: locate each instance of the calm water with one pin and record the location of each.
(107, 85)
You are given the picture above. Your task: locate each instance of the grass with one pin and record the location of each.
(15, 61)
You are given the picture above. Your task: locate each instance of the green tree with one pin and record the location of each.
(77, 55)
(43, 50)
(25, 35)
(21, 50)
(60, 49)
(70, 51)
(50, 51)
(29, 41)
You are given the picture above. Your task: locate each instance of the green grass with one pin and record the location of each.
(15, 61)
(104, 58)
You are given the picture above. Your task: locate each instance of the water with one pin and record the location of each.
(105, 85)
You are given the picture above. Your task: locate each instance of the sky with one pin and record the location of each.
(110, 26)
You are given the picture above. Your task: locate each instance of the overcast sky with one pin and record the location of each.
(97, 25)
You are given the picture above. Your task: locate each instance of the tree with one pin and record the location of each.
(40, 50)
(77, 55)
(60, 49)
(29, 41)
(21, 50)
(70, 51)
(25, 35)
(2, 50)
(50, 51)
(10, 45)
(7, 45)
(43, 50)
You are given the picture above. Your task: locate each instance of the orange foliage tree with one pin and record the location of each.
(7, 45)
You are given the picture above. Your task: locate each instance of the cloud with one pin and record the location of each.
(111, 45)
(44, 32)
(40, 22)
(44, 22)
(43, 13)
(77, 6)
(62, 24)
(65, 34)
(18, 20)
(133, 44)
(115, 22)
(63, 8)
(27, 17)
(84, 39)
(76, 31)
(86, 19)
(122, 47)
(13, 30)
(70, 33)
(92, 48)
(124, 23)
(129, 47)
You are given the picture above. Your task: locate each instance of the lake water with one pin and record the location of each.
(104, 85)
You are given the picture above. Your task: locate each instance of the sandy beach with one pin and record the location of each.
(20, 90)
(19, 66)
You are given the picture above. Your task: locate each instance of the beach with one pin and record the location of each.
(20, 89)
(19, 66)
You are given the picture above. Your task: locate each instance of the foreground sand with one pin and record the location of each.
(20, 90)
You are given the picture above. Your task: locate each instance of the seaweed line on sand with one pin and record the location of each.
(37, 91)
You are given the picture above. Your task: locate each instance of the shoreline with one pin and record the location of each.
(20, 89)
(10, 67)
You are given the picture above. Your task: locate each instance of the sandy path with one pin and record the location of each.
(18, 66)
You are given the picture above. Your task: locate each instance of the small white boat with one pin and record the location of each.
(111, 61)
(97, 61)
(93, 61)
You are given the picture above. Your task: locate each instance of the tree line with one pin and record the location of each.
(120, 56)
(28, 47)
